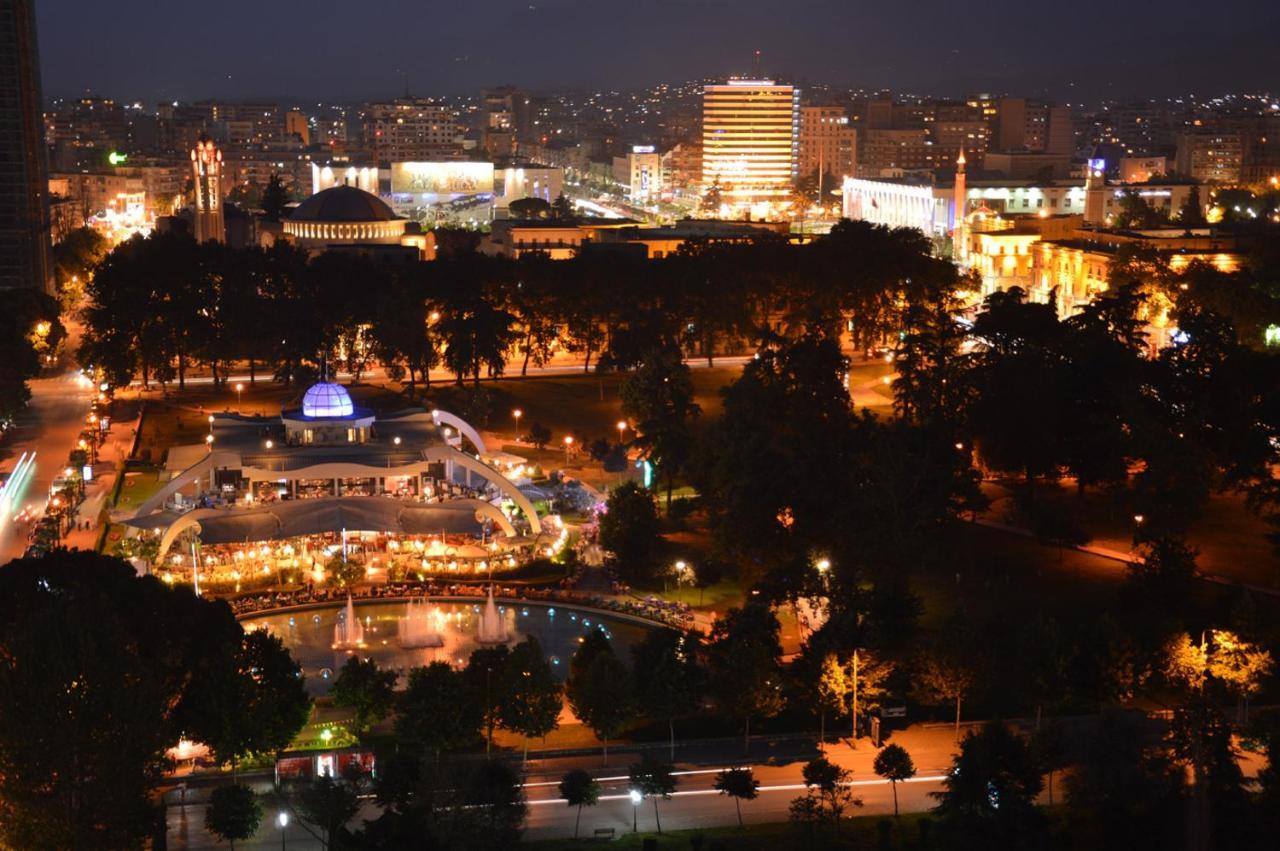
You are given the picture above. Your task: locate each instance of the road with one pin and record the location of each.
(49, 427)
(695, 803)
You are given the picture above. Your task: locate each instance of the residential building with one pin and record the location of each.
(24, 201)
(1211, 157)
(827, 142)
(411, 129)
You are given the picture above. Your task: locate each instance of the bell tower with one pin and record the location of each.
(206, 170)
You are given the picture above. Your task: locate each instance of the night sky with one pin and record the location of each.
(353, 49)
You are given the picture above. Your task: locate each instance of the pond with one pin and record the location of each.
(309, 635)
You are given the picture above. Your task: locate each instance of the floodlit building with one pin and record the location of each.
(410, 129)
(345, 218)
(330, 466)
(640, 172)
(750, 143)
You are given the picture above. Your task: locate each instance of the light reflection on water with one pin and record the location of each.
(308, 634)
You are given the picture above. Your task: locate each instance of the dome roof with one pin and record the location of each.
(343, 204)
(325, 400)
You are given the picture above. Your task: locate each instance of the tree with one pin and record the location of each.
(668, 675)
(653, 780)
(438, 710)
(867, 678)
(1126, 794)
(101, 672)
(532, 704)
(562, 208)
(579, 789)
(943, 675)
(539, 435)
(830, 794)
(894, 764)
(487, 683)
(630, 531)
(366, 689)
(739, 784)
(1049, 745)
(658, 396)
(988, 797)
(745, 677)
(1191, 213)
(274, 199)
(1240, 666)
(831, 691)
(328, 804)
(342, 573)
(530, 208)
(477, 333)
(602, 695)
(233, 813)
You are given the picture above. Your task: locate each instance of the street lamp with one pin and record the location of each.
(622, 427)
(636, 798)
(211, 424)
(516, 414)
(208, 439)
(239, 390)
(568, 447)
(282, 820)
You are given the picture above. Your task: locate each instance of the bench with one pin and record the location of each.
(605, 833)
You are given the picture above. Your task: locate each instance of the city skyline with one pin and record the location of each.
(290, 48)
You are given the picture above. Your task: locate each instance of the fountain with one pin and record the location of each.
(493, 629)
(348, 633)
(421, 626)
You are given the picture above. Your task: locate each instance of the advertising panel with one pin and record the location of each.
(443, 178)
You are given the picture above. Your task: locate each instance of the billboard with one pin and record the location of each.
(444, 178)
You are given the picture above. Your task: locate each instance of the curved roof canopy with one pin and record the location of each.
(340, 204)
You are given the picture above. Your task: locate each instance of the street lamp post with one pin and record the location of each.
(282, 820)
(516, 414)
(239, 391)
(622, 427)
(636, 798)
(568, 447)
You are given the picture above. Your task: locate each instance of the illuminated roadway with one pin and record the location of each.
(49, 427)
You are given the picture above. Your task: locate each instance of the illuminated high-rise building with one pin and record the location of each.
(206, 171)
(750, 142)
(24, 203)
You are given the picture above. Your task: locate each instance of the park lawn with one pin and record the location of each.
(1231, 538)
(137, 489)
(856, 832)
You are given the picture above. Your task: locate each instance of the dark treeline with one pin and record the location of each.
(158, 306)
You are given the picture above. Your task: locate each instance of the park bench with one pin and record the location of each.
(605, 833)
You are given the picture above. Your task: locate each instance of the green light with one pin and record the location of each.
(1271, 336)
(115, 157)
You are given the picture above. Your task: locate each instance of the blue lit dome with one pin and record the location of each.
(326, 400)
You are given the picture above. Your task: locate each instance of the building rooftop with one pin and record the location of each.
(343, 204)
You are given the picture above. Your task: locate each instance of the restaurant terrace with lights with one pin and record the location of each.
(273, 501)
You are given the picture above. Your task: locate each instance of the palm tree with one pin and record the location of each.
(739, 784)
(579, 789)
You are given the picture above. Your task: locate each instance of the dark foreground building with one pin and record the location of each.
(24, 207)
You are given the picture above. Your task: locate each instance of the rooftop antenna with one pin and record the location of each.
(757, 62)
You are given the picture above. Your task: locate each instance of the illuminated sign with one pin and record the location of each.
(117, 158)
(1097, 166)
(445, 178)
(643, 149)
